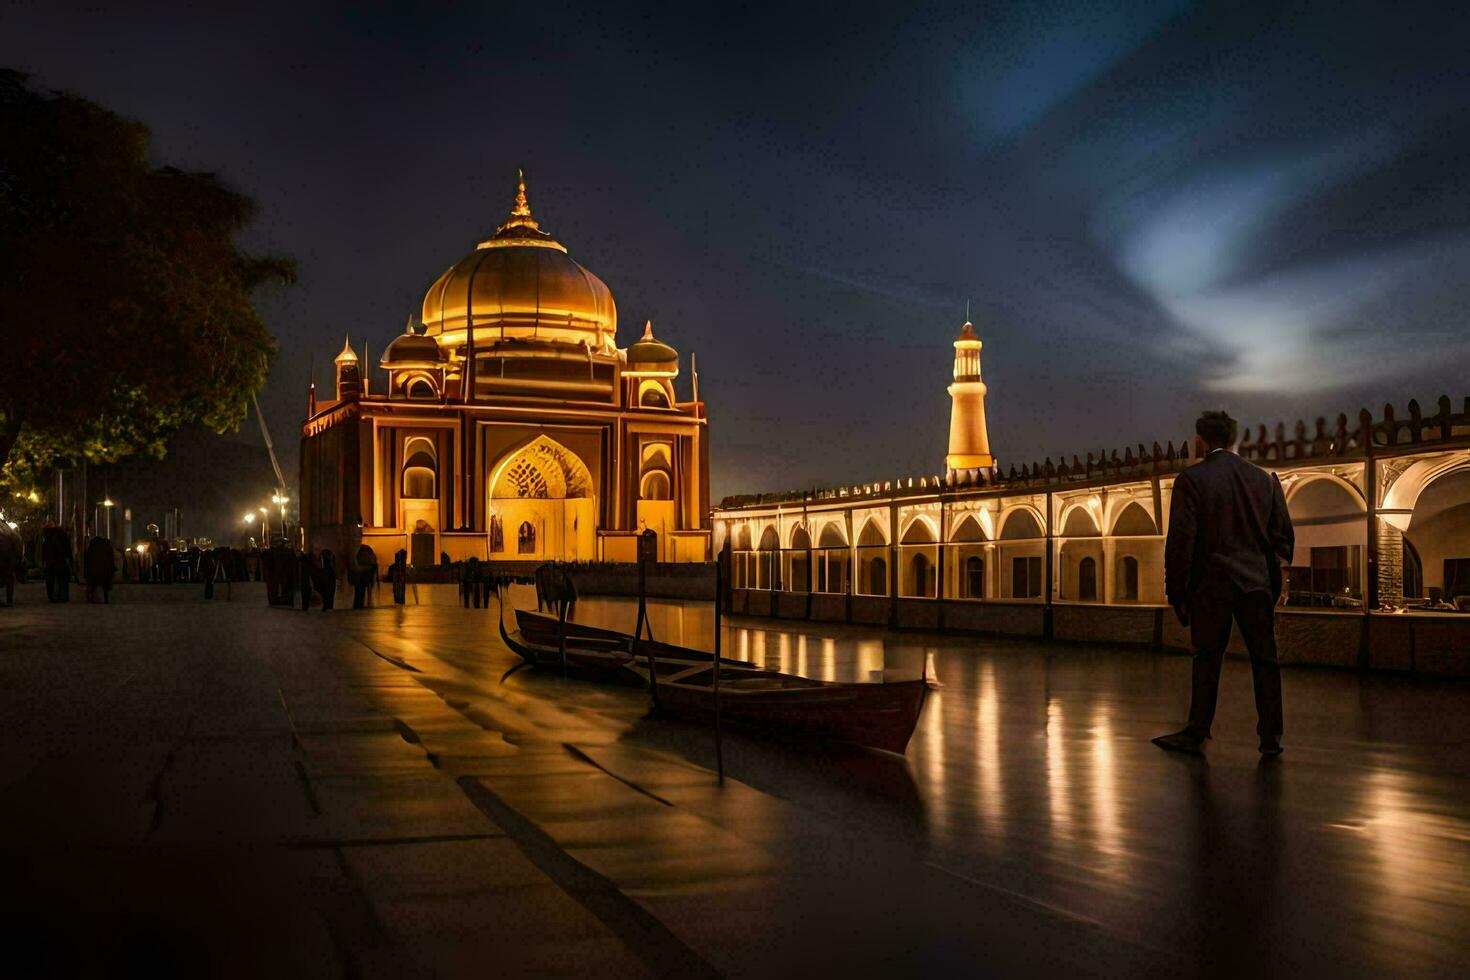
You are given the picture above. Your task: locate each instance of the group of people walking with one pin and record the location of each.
(308, 577)
(98, 569)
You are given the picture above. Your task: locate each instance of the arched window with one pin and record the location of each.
(420, 388)
(974, 578)
(653, 396)
(656, 486)
(923, 575)
(1087, 580)
(1128, 578)
(526, 539)
(877, 577)
(420, 469)
(770, 553)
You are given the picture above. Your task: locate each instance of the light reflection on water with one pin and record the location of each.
(1034, 772)
(836, 653)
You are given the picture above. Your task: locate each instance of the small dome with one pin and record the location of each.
(520, 283)
(410, 349)
(651, 356)
(650, 348)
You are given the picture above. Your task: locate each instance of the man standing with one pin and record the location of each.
(1229, 532)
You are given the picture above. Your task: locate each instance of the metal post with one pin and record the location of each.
(1046, 615)
(719, 739)
(561, 625)
(643, 619)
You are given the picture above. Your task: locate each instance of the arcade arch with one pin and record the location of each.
(872, 559)
(1328, 563)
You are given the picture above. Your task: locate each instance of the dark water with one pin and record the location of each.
(1031, 772)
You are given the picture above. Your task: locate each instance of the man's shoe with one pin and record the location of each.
(1270, 747)
(1180, 742)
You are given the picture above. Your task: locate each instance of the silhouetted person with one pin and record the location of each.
(56, 563)
(12, 560)
(364, 574)
(98, 568)
(398, 576)
(483, 577)
(207, 571)
(280, 574)
(326, 579)
(305, 572)
(1229, 532)
(469, 589)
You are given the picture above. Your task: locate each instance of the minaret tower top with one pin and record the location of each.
(969, 444)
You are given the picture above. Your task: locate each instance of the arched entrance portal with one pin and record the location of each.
(542, 505)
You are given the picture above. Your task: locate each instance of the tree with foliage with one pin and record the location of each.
(125, 305)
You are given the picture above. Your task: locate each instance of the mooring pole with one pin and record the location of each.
(643, 618)
(719, 739)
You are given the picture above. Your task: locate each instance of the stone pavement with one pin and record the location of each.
(191, 789)
(200, 789)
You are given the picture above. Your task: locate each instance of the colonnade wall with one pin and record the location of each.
(1076, 550)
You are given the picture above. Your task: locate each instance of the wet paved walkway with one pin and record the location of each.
(389, 802)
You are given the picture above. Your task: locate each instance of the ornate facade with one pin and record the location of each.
(511, 425)
(1381, 507)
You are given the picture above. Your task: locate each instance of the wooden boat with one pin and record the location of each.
(594, 654)
(767, 702)
(586, 658)
(542, 629)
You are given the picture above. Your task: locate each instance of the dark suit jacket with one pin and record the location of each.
(1227, 524)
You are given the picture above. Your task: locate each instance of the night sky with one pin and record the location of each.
(1153, 208)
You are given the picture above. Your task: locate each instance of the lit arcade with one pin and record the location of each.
(1073, 549)
(511, 426)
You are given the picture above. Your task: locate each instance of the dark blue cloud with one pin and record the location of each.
(1153, 207)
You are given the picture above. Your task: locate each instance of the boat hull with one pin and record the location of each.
(879, 716)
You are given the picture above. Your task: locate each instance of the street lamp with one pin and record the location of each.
(107, 506)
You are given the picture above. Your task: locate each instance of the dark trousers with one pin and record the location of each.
(359, 592)
(1210, 615)
(58, 584)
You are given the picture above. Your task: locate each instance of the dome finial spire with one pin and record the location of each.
(520, 213)
(522, 208)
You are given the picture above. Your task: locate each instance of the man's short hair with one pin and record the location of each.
(1216, 429)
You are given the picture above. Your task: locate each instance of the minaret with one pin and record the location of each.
(349, 374)
(969, 445)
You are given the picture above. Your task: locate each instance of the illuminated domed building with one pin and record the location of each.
(512, 425)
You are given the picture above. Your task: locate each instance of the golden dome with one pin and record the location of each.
(520, 283)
